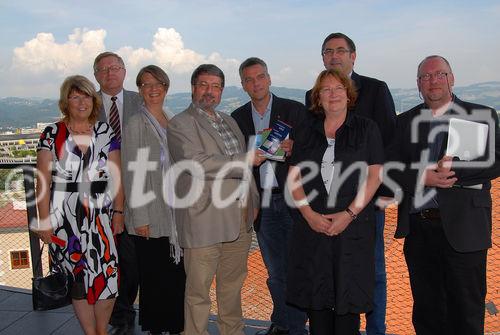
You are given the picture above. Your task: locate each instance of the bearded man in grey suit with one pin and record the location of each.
(215, 228)
(109, 71)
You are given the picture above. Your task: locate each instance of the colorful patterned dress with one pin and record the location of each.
(79, 209)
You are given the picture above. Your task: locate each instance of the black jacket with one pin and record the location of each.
(334, 271)
(465, 212)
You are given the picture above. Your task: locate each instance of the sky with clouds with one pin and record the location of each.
(43, 41)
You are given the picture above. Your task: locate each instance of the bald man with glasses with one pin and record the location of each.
(445, 213)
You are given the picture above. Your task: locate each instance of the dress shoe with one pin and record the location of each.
(273, 330)
(121, 330)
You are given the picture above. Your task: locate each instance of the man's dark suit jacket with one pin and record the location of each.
(465, 213)
(288, 111)
(374, 102)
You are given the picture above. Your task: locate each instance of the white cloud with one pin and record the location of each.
(43, 55)
(44, 62)
(283, 77)
(285, 71)
(168, 51)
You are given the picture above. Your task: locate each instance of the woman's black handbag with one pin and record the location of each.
(52, 291)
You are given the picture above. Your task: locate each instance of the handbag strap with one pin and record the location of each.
(56, 262)
(39, 258)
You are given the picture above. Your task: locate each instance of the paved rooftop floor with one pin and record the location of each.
(17, 317)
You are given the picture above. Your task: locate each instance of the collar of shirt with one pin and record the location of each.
(447, 109)
(216, 118)
(261, 122)
(319, 123)
(346, 134)
(106, 102)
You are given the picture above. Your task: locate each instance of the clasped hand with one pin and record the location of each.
(329, 224)
(440, 174)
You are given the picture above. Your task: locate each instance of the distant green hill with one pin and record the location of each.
(26, 112)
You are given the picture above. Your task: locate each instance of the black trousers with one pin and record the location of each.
(327, 322)
(162, 282)
(123, 311)
(448, 287)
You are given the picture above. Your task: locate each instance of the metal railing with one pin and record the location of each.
(19, 247)
(17, 209)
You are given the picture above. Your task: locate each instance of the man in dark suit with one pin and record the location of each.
(274, 223)
(109, 71)
(374, 102)
(445, 213)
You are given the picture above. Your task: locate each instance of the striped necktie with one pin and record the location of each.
(114, 119)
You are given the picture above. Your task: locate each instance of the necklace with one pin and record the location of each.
(80, 132)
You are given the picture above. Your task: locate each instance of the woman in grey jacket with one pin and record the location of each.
(148, 216)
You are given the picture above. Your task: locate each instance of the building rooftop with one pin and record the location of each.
(15, 137)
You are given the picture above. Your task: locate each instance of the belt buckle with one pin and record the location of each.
(429, 214)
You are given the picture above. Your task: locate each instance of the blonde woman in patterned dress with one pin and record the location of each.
(78, 180)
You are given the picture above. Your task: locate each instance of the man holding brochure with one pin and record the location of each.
(274, 224)
(215, 229)
(445, 213)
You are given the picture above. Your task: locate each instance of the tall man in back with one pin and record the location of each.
(274, 224)
(374, 102)
(118, 105)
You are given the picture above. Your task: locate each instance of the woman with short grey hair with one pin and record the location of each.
(152, 223)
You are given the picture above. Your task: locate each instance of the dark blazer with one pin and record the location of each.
(374, 102)
(288, 111)
(465, 213)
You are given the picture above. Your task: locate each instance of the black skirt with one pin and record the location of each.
(326, 272)
(161, 286)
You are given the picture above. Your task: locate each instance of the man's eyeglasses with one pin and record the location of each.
(338, 51)
(106, 69)
(150, 86)
(204, 85)
(440, 75)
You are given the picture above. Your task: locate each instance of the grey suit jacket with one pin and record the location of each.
(192, 137)
(132, 102)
